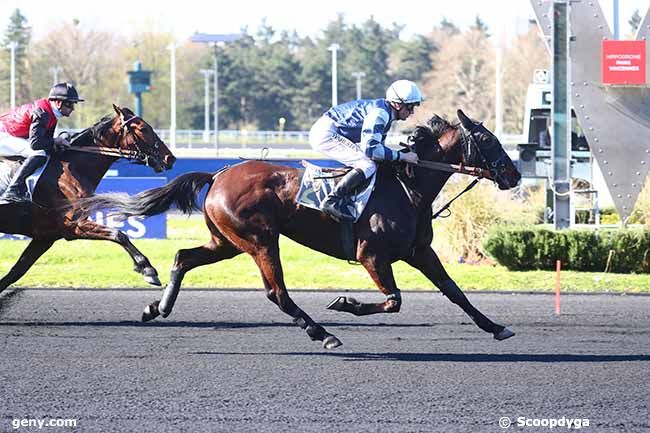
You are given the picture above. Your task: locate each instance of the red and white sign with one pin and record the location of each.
(623, 62)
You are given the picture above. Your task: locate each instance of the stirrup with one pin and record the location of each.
(330, 210)
(333, 212)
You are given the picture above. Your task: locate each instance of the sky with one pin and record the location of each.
(308, 18)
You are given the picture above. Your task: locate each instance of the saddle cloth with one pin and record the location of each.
(9, 166)
(317, 183)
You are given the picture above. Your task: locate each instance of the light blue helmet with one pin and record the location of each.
(404, 91)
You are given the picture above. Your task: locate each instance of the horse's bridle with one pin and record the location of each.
(468, 142)
(452, 168)
(140, 155)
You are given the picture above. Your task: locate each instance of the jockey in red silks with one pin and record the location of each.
(354, 133)
(28, 131)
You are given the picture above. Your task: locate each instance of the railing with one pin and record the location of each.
(198, 142)
(248, 143)
(242, 139)
(186, 138)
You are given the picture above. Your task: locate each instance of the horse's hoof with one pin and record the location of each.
(331, 342)
(343, 304)
(504, 334)
(149, 273)
(150, 312)
(336, 303)
(153, 280)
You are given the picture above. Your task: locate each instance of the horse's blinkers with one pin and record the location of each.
(484, 150)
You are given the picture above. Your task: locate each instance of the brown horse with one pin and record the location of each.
(249, 205)
(76, 173)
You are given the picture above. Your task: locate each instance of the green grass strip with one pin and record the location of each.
(105, 265)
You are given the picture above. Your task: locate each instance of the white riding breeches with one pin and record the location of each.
(324, 138)
(16, 146)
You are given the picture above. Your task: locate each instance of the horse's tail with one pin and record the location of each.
(182, 192)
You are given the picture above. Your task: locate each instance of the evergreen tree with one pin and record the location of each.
(243, 83)
(278, 70)
(266, 75)
(480, 26)
(410, 60)
(313, 96)
(19, 33)
(448, 27)
(369, 52)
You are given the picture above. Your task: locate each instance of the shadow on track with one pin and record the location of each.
(453, 357)
(139, 324)
(197, 324)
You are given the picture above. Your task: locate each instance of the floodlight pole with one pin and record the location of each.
(334, 48)
(216, 99)
(615, 19)
(12, 47)
(498, 93)
(172, 127)
(214, 40)
(358, 76)
(206, 114)
(55, 73)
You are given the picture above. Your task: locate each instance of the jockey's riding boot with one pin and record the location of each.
(17, 189)
(332, 203)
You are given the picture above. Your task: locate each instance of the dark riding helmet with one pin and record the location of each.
(64, 92)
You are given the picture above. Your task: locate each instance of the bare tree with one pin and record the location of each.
(92, 60)
(463, 76)
(520, 61)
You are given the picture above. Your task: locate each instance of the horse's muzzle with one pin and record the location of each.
(508, 180)
(168, 161)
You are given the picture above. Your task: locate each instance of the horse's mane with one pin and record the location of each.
(424, 141)
(101, 125)
(439, 125)
(426, 136)
(97, 128)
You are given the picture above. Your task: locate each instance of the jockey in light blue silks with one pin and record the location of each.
(354, 133)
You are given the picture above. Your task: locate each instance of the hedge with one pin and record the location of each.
(613, 250)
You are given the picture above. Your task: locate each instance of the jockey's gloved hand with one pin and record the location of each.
(410, 157)
(64, 135)
(62, 142)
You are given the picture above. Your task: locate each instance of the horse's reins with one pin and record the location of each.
(455, 168)
(446, 206)
(129, 154)
(480, 173)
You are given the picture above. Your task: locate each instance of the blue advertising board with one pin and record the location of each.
(124, 176)
(154, 227)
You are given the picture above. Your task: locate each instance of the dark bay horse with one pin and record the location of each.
(250, 204)
(76, 173)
